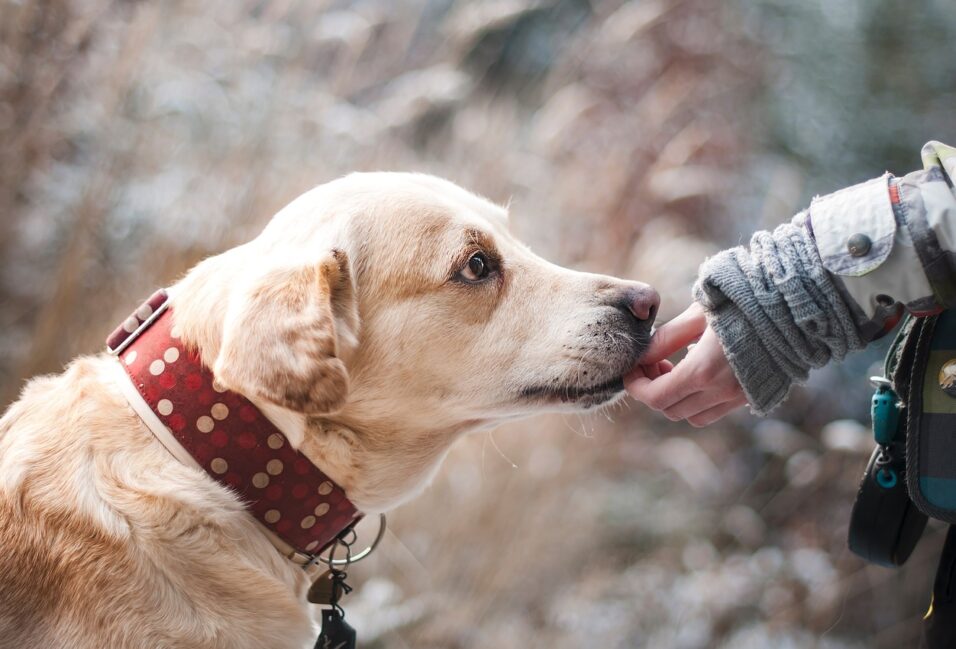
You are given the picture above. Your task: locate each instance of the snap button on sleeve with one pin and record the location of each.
(854, 228)
(858, 245)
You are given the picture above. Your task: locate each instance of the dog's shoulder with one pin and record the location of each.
(104, 532)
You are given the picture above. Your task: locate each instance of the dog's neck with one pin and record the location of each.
(201, 305)
(361, 456)
(205, 425)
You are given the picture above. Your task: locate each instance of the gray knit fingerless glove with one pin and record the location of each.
(776, 311)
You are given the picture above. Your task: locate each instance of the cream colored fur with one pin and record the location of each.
(348, 322)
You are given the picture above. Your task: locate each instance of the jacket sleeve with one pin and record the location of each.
(835, 278)
(891, 241)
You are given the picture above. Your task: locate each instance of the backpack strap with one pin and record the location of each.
(931, 419)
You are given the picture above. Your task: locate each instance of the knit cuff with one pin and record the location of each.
(765, 384)
(777, 312)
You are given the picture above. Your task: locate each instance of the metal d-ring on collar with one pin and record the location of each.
(329, 561)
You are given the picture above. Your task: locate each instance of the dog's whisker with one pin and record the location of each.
(587, 434)
(503, 456)
(574, 430)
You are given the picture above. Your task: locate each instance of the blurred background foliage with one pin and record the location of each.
(633, 138)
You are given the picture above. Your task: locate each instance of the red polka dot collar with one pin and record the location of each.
(224, 434)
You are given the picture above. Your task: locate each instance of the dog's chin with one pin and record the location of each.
(593, 386)
(575, 397)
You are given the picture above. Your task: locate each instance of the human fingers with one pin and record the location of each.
(652, 371)
(697, 403)
(708, 417)
(676, 334)
(663, 392)
(710, 373)
(663, 367)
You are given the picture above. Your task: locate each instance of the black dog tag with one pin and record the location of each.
(336, 632)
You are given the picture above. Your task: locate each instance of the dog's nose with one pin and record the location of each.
(643, 301)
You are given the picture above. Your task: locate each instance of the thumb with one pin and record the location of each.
(676, 334)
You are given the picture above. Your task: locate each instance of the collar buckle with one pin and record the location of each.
(137, 322)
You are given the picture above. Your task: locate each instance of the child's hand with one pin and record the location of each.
(701, 388)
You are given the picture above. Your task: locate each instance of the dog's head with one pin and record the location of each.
(381, 315)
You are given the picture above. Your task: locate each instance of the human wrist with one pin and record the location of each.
(764, 383)
(776, 311)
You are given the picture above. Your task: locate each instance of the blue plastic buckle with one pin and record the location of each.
(884, 411)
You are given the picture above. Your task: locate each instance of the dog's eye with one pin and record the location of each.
(477, 268)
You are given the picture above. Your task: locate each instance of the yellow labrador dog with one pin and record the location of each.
(374, 321)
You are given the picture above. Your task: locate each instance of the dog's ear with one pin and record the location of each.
(283, 333)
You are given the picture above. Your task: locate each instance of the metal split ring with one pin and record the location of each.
(881, 382)
(361, 555)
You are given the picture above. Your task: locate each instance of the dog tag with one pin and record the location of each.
(336, 633)
(322, 589)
